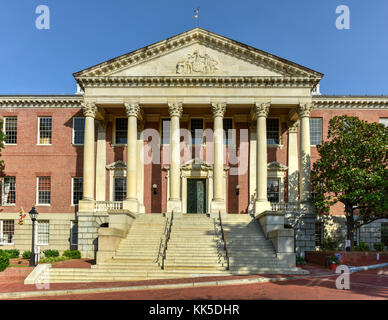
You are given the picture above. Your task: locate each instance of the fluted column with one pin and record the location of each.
(304, 111)
(101, 161)
(262, 203)
(293, 165)
(131, 203)
(90, 110)
(218, 203)
(174, 202)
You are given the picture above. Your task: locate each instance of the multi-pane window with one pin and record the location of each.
(228, 128)
(10, 130)
(77, 190)
(384, 121)
(45, 130)
(315, 131)
(384, 233)
(120, 189)
(273, 190)
(78, 130)
(7, 230)
(166, 125)
(121, 130)
(9, 190)
(43, 232)
(318, 233)
(74, 233)
(196, 126)
(44, 190)
(273, 136)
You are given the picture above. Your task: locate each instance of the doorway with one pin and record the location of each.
(196, 195)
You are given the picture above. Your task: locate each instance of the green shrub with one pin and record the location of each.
(331, 244)
(53, 259)
(72, 254)
(13, 253)
(362, 247)
(51, 253)
(300, 260)
(379, 246)
(26, 254)
(4, 260)
(333, 259)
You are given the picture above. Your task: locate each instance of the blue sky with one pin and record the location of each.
(86, 32)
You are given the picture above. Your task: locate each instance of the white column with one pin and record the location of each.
(131, 203)
(262, 203)
(140, 166)
(174, 202)
(252, 167)
(218, 202)
(90, 110)
(304, 111)
(101, 161)
(293, 162)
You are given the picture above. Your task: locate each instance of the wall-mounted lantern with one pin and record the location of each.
(154, 187)
(238, 189)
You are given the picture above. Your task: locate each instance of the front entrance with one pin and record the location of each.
(196, 195)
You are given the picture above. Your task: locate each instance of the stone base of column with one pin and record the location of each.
(216, 207)
(261, 206)
(141, 208)
(86, 206)
(174, 205)
(131, 205)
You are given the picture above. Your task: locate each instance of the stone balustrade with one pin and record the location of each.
(108, 205)
(285, 206)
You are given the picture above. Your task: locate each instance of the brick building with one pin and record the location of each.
(68, 155)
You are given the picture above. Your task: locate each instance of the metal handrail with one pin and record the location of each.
(161, 240)
(167, 238)
(225, 242)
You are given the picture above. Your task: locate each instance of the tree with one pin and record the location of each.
(352, 169)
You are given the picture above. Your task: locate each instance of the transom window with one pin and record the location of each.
(315, 131)
(44, 190)
(121, 130)
(9, 190)
(78, 130)
(10, 130)
(273, 190)
(273, 131)
(166, 125)
(7, 230)
(77, 190)
(120, 189)
(43, 232)
(228, 128)
(45, 130)
(196, 126)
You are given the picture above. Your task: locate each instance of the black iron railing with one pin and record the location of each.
(225, 242)
(167, 238)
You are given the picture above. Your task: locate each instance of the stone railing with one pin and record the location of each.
(108, 205)
(285, 206)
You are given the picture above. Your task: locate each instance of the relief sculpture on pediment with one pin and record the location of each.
(196, 63)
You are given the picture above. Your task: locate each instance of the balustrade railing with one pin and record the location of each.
(285, 206)
(108, 205)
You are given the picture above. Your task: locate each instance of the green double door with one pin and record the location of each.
(196, 195)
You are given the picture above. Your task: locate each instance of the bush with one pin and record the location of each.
(4, 260)
(300, 260)
(362, 247)
(331, 244)
(26, 255)
(51, 253)
(72, 254)
(53, 259)
(13, 253)
(379, 246)
(333, 259)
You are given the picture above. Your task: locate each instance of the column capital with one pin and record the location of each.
(132, 109)
(175, 109)
(262, 109)
(304, 109)
(218, 109)
(293, 126)
(89, 109)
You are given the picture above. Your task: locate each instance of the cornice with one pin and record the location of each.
(350, 102)
(41, 101)
(197, 81)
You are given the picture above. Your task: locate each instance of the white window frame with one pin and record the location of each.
(73, 136)
(279, 132)
(4, 125)
(1, 233)
(311, 144)
(72, 191)
(114, 133)
(72, 224)
(38, 142)
(37, 193)
(3, 193)
(37, 233)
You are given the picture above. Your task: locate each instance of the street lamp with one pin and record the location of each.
(33, 215)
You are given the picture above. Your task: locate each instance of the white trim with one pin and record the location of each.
(37, 230)
(72, 191)
(4, 125)
(114, 144)
(37, 193)
(72, 137)
(1, 233)
(38, 142)
(72, 223)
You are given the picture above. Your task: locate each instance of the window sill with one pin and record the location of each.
(77, 145)
(275, 146)
(117, 145)
(7, 244)
(44, 145)
(43, 205)
(8, 205)
(10, 144)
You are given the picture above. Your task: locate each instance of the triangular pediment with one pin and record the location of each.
(197, 53)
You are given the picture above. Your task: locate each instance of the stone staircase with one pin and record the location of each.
(195, 248)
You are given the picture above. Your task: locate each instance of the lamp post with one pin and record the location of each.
(33, 215)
